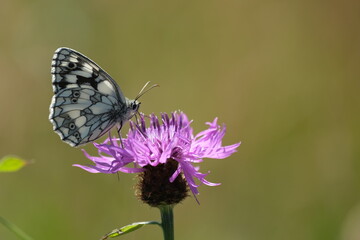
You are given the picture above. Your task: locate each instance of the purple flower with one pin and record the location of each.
(161, 141)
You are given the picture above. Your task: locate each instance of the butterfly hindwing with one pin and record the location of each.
(81, 115)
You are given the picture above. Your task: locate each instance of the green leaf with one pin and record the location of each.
(127, 229)
(11, 164)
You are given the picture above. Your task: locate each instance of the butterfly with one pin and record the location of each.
(87, 102)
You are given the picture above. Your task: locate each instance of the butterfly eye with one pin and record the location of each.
(71, 65)
(72, 126)
(74, 100)
(134, 106)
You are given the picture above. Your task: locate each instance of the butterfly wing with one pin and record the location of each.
(70, 69)
(86, 99)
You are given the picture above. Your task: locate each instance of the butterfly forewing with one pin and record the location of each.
(87, 101)
(72, 69)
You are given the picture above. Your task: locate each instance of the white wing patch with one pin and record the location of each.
(105, 87)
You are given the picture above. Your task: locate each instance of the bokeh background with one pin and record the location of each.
(282, 75)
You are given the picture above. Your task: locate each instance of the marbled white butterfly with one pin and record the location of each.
(87, 102)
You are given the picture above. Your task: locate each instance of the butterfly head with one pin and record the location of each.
(133, 107)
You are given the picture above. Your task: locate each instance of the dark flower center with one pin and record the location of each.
(155, 188)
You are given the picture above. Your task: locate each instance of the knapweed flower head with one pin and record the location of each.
(164, 152)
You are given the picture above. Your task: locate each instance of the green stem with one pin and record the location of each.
(14, 229)
(167, 221)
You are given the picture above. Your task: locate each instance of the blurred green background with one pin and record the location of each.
(282, 75)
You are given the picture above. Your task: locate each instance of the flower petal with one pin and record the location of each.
(168, 137)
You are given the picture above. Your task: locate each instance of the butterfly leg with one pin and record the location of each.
(111, 139)
(119, 128)
(136, 119)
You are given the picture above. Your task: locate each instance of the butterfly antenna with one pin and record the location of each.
(147, 83)
(143, 91)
